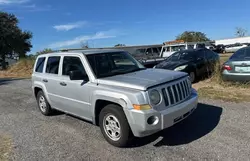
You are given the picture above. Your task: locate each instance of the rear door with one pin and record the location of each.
(51, 80)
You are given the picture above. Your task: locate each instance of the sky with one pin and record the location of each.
(104, 23)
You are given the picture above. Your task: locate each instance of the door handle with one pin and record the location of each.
(45, 80)
(63, 84)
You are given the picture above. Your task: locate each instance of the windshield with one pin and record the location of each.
(182, 55)
(114, 63)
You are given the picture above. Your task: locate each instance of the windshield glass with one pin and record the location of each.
(182, 55)
(110, 64)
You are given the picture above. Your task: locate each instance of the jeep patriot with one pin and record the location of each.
(111, 89)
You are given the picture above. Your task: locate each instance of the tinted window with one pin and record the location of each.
(71, 63)
(53, 65)
(39, 65)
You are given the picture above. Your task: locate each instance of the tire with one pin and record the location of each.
(43, 104)
(117, 120)
(192, 76)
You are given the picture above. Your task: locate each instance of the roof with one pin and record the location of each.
(94, 51)
(83, 51)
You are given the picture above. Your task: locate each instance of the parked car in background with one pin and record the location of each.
(195, 62)
(171, 47)
(234, 47)
(237, 68)
(219, 48)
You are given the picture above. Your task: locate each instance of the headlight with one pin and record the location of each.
(154, 97)
(180, 67)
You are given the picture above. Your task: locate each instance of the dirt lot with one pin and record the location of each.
(215, 131)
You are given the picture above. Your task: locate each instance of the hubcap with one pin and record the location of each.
(112, 127)
(42, 104)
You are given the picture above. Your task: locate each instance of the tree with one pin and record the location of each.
(192, 36)
(44, 51)
(240, 32)
(119, 45)
(12, 40)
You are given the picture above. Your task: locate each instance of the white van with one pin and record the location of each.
(173, 46)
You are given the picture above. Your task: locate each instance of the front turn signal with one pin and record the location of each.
(142, 107)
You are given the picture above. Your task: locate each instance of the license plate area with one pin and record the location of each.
(242, 69)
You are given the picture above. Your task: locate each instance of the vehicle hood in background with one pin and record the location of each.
(141, 80)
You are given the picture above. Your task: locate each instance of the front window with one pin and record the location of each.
(182, 55)
(71, 63)
(110, 64)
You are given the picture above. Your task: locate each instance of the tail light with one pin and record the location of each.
(227, 67)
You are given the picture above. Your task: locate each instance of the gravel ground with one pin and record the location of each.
(215, 131)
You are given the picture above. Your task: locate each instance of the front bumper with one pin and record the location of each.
(166, 118)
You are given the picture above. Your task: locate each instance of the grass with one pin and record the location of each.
(216, 88)
(22, 69)
(5, 147)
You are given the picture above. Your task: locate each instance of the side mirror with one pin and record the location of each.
(78, 75)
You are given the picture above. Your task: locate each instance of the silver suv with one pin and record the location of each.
(112, 89)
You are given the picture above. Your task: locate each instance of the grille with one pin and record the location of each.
(177, 92)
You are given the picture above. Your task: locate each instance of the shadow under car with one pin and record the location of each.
(204, 119)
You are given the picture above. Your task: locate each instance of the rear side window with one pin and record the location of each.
(39, 65)
(53, 65)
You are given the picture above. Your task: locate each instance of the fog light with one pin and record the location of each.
(153, 120)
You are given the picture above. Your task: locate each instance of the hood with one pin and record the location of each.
(171, 65)
(141, 80)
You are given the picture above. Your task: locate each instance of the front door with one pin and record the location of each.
(75, 94)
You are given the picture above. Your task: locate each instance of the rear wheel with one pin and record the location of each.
(114, 126)
(43, 104)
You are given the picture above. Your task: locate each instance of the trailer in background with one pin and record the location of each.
(238, 40)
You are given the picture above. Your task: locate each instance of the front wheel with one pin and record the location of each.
(114, 126)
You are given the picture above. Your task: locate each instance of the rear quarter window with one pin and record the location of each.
(40, 65)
